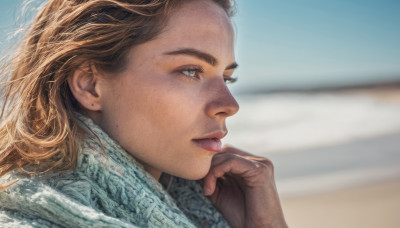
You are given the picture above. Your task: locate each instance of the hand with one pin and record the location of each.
(242, 187)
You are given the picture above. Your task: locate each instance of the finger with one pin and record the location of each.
(230, 149)
(221, 157)
(234, 165)
(217, 160)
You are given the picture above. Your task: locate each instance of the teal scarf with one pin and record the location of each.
(110, 190)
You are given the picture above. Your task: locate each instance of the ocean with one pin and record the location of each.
(320, 141)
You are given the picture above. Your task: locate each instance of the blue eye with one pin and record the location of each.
(194, 72)
(190, 72)
(230, 80)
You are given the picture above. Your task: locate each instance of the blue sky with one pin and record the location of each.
(301, 44)
(292, 44)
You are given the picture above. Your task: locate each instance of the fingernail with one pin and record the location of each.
(207, 191)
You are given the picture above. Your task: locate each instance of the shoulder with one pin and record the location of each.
(10, 218)
(36, 202)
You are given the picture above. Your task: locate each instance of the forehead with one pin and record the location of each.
(191, 10)
(199, 24)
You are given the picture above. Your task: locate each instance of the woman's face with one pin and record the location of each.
(173, 93)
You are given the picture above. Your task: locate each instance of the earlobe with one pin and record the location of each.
(84, 85)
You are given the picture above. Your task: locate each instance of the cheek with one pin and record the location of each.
(156, 121)
(173, 109)
(155, 107)
(173, 98)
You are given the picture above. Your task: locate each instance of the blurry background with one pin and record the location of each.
(319, 90)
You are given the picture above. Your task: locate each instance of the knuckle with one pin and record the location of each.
(232, 161)
(213, 173)
(266, 166)
(269, 164)
(230, 157)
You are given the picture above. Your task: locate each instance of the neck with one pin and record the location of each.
(156, 173)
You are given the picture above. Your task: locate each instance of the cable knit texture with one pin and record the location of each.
(105, 190)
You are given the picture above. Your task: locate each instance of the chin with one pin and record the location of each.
(195, 176)
(197, 173)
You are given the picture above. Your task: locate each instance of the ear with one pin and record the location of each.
(84, 85)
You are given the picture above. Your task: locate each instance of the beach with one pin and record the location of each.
(336, 153)
(368, 206)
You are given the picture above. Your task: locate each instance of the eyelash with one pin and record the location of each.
(230, 80)
(198, 70)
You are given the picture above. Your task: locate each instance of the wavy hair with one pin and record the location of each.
(37, 130)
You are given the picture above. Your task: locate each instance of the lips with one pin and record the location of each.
(211, 142)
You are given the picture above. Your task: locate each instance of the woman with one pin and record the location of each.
(115, 108)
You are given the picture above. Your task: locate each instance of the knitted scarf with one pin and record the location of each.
(104, 190)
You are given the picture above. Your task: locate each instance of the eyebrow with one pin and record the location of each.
(200, 55)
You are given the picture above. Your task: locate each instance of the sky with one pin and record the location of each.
(311, 43)
(284, 45)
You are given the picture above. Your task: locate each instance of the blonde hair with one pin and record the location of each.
(37, 128)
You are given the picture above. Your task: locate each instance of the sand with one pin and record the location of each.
(386, 93)
(369, 206)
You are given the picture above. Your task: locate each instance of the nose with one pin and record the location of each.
(221, 103)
